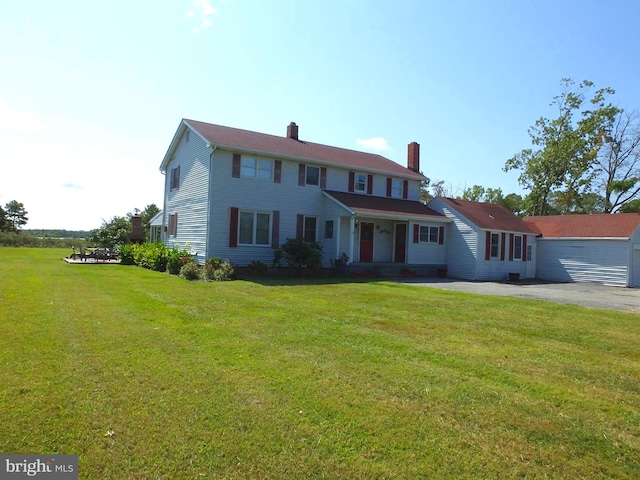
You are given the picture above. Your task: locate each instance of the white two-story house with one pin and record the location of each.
(238, 195)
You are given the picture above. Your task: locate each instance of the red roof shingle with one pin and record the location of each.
(367, 204)
(489, 216)
(284, 146)
(602, 225)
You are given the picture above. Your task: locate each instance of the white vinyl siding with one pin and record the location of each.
(602, 261)
(190, 200)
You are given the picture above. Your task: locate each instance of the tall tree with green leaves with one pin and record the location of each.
(618, 162)
(147, 214)
(15, 216)
(512, 202)
(565, 149)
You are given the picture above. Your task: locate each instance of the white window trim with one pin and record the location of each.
(497, 255)
(254, 228)
(514, 247)
(304, 228)
(256, 167)
(173, 184)
(397, 184)
(355, 182)
(429, 234)
(306, 176)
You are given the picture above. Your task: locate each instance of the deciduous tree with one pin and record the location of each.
(564, 148)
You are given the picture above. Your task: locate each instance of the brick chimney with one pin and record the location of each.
(413, 160)
(292, 131)
(137, 234)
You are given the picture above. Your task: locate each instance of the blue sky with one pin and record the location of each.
(91, 93)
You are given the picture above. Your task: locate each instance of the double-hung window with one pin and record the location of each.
(175, 178)
(428, 234)
(254, 228)
(495, 245)
(360, 183)
(396, 188)
(312, 175)
(517, 247)
(309, 234)
(252, 167)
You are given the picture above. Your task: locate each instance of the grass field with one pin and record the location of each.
(148, 376)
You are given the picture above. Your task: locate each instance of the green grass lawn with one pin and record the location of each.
(147, 376)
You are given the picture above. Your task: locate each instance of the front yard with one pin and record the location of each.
(146, 375)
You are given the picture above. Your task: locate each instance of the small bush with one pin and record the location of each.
(190, 271)
(176, 259)
(127, 255)
(218, 270)
(300, 254)
(153, 256)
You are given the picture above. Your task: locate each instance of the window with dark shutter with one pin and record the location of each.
(275, 229)
(277, 171)
(233, 227)
(299, 227)
(235, 166)
(175, 178)
(301, 174)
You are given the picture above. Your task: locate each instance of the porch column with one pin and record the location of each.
(352, 234)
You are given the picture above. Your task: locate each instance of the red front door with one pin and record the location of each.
(366, 242)
(400, 255)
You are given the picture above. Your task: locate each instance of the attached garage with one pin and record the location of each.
(602, 248)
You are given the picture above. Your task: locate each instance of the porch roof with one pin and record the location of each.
(384, 207)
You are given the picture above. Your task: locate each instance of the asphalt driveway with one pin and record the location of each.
(585, 294)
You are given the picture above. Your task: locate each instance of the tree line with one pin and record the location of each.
(584, 158)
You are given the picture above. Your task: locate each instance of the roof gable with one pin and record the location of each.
(489, 216)
(602, 225)
(285, 147)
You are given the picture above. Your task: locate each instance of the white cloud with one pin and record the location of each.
(378, 144)
(203, 10)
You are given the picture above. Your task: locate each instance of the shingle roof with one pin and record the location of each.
(602, 225)
(367, 204)
(489, 216)
(246, 140)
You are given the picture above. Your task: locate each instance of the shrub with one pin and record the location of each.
(300, 254)
(151, 255)
(218, 270)
(126, 255)
(176, 259)
(190, 271)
